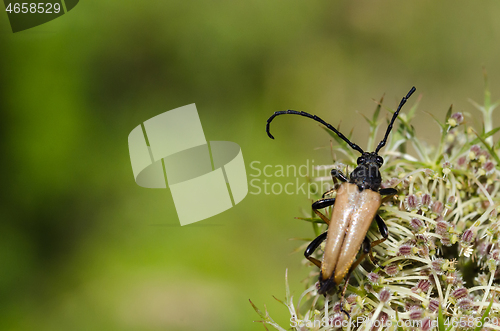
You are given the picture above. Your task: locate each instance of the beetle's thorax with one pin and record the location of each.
(367, 174)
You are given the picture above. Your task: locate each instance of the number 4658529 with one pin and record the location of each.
(40, 8)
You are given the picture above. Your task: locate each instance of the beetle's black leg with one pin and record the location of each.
(388, 191)
(330, 191)
(382, 227)
(370, 252)
(323, 203)
(343, 311)
(339, 175)
(366, 246)
(312, 247)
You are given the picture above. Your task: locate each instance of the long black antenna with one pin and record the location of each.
(396, 113)
(317, 119)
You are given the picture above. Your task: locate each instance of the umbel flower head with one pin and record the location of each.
(438, 269)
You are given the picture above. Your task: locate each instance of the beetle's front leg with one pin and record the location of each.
(312, 247)
(336, 174)
(388, 191)
(323, 203)
(339, 175)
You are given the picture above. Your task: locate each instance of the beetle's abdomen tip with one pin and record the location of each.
(326, 286)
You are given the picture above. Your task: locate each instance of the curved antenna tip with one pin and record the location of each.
(394, 116)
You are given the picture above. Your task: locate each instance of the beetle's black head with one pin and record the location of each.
(372, 157)
(367, 174)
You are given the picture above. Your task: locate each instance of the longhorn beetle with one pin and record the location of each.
(355, 206)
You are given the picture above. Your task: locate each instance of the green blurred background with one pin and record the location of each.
(84, 248)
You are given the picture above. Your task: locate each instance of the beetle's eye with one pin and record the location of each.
(380, 160)
(361, 160)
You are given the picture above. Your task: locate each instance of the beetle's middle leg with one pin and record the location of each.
(384, 231)
(388, 192)
(322, 203)
(312, 247)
